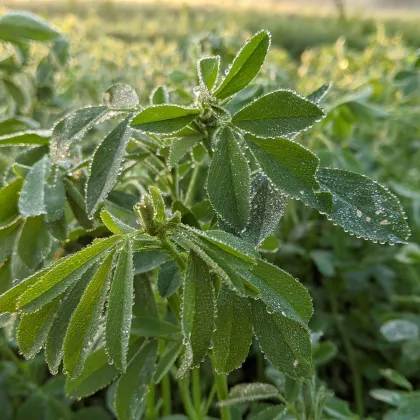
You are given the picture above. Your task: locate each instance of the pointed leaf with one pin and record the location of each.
(73, 128)
(159, 96)
(63, 274)
(208, 71)
(233, 335)
(180, 146)
(363, 207)
(197, 317)
(164, 119)
(285, 342)
(34, 327)
(114, 224)
(118, 320)
(318, 95)
(54, 196)
(26, 138)
(267, 208)
(84, 321)
(276, 114)
(121, 96)
(169, 279)
(167, 360)
(77, 205)
(106, 165)
(245, 66)
(57, 332)
(9, 196)
(31, 200)
(144, 298)
(250, 392)
(152, 327)
(228, 182)
(291, 168)
(133, 385)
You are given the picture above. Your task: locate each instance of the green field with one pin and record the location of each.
(365, 329)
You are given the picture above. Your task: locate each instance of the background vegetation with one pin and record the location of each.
(366, 296)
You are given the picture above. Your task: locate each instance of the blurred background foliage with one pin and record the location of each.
(366, 296)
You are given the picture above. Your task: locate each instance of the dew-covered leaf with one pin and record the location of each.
(118, 320)
(208, 71)
(77, 204)
(167, 360)
(164, 119)
(84, 321)
(267, 208)
(120, 96)
(114, 224)
(106, 165)
(54, 196)
(34, 327)
(31, 200)
(319, 94)
(228, 182)
(63, 274)
(9, 196)
(363, 207)
(233, 335)
(34, 242)
(16, 26)
(197, 316)
(280, 291)
(145, 261)
(276, 114)
(57, 332)
(245, 66)
(133, 385)
(8, 237)
(284, 341)
(399, 330)
(180, 146)
(26, 138)
(144, 298)
(159, 96)
(250, 392)
(291, 168)
(169, 279)
(97, 373)
(73, 128)
(152, 327)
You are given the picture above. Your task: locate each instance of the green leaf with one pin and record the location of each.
(114, 224)
(318, 95)
(159, 96)
(158, 203)
(34, 242)
(31, 200)
(233, 335)
(396, 378)
(164, 119)
(54, 196)
(400, 330)
(245, 66)
(144, 298)
(152, 327)
(267, 208)
(274, 412)
(249, 392)
(106, 165)
(77, 205)
(228, 182)
(197, 317)
(73, 128)
(97, 373)
(57, 332)
(276, 114)
(280, 291)
(145, 261)
(16, 26)
(26, 138)
(285, 342)
(9, 196)
(92, 413)
(85, 319)
(167, 360)
(363, 207)
(17, 125)
(120, 96)
(208, 71)
(180, 146)
(133, 385)
(63, 274)
(409, 254)
(118, 319)
(34, 327)
(291, 168)
(169, 279)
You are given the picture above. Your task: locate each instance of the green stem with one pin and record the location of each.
(166, 396)
(196, 387)
(222, 393)
(356, 378)
(186, 399)
(192, 185)
(209, 400)
(151, 403)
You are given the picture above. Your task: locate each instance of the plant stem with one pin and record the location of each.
(196, 391)
(209, 400)
(222, 393)
(166, 396)
(357, 379)
(186, 399)
(192, 185)
(150, 409)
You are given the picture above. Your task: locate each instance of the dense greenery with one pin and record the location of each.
(364, 337)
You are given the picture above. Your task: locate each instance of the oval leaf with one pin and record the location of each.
(208, 71)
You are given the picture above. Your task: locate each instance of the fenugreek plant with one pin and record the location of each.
(174, 273)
